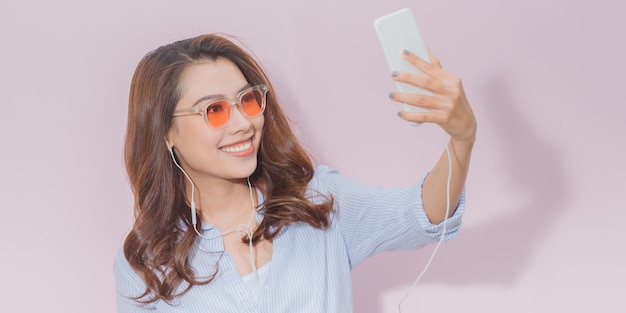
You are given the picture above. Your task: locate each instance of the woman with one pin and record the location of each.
(231, 215)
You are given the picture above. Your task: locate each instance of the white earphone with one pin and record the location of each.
(193, 187)
(243, 229)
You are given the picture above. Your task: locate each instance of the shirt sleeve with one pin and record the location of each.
(127, 285)
(375, 219)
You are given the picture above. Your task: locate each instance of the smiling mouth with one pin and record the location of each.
(243, 146)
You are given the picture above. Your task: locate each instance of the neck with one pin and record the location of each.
(224, 203)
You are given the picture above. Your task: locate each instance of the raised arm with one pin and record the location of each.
(448, 107)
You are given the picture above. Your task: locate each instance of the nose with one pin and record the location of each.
(239, 122)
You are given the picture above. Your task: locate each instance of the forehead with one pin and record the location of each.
(218, 77)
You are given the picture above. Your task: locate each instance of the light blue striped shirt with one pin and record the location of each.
(310, 268)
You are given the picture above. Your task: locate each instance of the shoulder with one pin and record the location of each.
(127, 281)
(322, 172)
(121, 267)
(329, 181)
(325, 176)
(325, 180)
(120, 262)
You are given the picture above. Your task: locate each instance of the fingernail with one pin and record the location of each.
(391, 95)
(399, 113)
(394, 74)
(406, 52)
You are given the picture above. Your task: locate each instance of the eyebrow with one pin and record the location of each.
(218, 96)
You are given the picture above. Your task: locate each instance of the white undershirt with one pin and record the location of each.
(251, 279)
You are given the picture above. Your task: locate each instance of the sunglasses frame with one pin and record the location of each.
(201, 109)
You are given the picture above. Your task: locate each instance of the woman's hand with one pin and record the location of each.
(448, 107)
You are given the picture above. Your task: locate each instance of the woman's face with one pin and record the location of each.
(227, 153)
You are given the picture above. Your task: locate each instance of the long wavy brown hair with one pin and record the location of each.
(159, 244)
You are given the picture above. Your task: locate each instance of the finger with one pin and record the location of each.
(426, 67)
(434, 59)
(418, 80)
(422, 101)
(418, 117)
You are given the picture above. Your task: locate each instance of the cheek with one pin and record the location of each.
(195, 142)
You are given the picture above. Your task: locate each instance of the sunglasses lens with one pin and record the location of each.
(252, 102)
(218, 113)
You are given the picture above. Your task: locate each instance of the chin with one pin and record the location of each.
(246, 170)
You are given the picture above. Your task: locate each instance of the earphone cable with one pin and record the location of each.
(243, 229)
(443, 232)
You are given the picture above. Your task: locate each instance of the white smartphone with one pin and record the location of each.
(396, 32)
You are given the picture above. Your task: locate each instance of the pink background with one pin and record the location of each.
(544, 229)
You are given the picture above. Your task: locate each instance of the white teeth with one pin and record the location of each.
(237, 148)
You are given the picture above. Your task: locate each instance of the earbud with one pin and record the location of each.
(169, 147)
